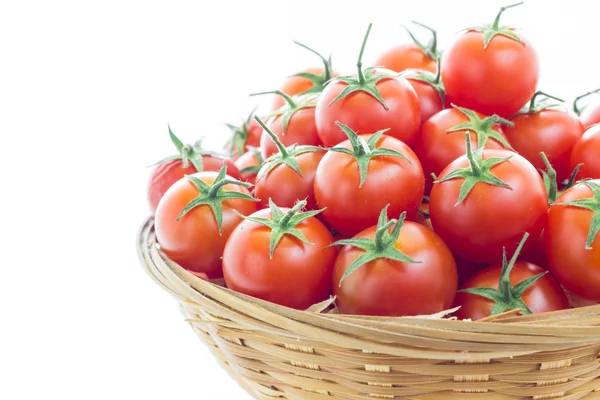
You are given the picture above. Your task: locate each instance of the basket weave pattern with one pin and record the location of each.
(278, 353)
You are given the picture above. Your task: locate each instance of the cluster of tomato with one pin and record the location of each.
(425, 182)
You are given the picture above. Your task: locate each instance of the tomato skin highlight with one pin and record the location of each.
(586, 151)
(285, 186)
(554, 132)
(392, 180)
(437, 148)
(490, 217)
(386, 287)
(565, 235)
(301, 130)
(194, 241)
(298, 275)
(405, 56)
(167, 173)
(544, 295)
(365, 114)
(499, 79)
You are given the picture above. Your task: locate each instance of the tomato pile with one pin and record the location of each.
(425, 181)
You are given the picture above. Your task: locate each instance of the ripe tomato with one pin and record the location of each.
(189, 160)
(442, 138)
(430, 91)
(294, 124)
(485, 201)
(196, 216)
(586, 152)
(490, 69)
(244, 137)
(249, 164)
(540, 128)
(515, 284)
(355, 184)
(572, 243)
(289, 175)
(375, 99)
(589, 115)
(411, 55)
(311, 80)
(281, 256)
(399, 271)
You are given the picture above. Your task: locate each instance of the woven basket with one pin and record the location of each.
(275, 352)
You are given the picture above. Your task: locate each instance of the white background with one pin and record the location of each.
(86, 91)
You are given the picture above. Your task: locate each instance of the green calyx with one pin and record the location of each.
(364, 150)
(286, 155)
(589, 203)
(483, 128)
(490, 31)
(383, 245)
(576, 107)
(366, 81)
(549, 179)
(240, 134)
(254, 168)
(434, 80)
(284, 224)
(188, 153)
(215, 194)
(479, 171)
(292, 106)
(319, 81)
(431, 49)
(535, 105)
(508, 297)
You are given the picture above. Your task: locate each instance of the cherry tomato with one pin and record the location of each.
(374, 99)
(542, 129)
(283, 269)
(544, 295)
(189, 160)
(589, 115)
(424, 282)
(249, 164)
(586, 152)
(442, 139)
(186, 226)
(536, 253)
(355, 187)
(294, 124)
(494, 77)
(411, 55)
(288, 175)
(430, 91)
(572, 245)
(244, 137)
(503, 197)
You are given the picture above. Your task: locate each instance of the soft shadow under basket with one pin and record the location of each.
(275, 352)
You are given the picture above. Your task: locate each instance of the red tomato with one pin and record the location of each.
(544, 295)
(430, 91)
(589, 115)
(281, 269)
(536, 254)
(441, 141)
(541, 129)
(249, 164)
(196, 239)
(294, 124)
(498, 77)
(374, 99)
(411, 55)
(572, 245)
(244, 137)
(311, 80)
(353, 204)
(507, 198)
(586, 151)
(173, 168)
(423, 282)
